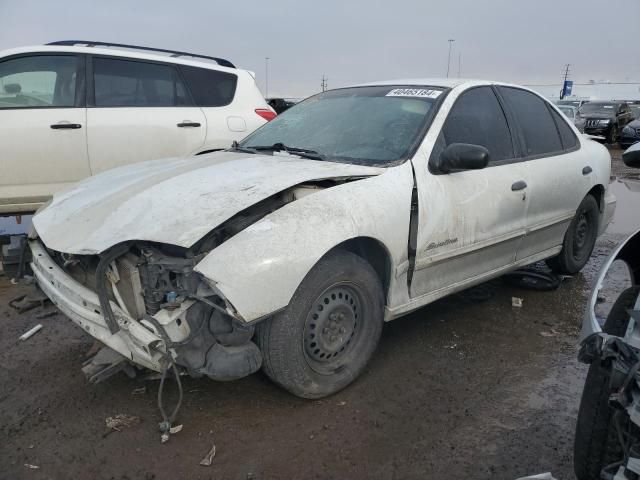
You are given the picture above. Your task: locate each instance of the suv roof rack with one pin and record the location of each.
(174, 53)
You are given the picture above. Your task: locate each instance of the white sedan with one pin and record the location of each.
(290, 250)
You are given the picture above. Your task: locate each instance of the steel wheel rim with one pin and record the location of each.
(332, 327)
(582, 236)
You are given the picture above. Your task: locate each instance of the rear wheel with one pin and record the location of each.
(579, 239)
(596, 444)
(324, 338)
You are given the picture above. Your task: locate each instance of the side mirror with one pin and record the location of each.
(631, 157)
(463, 156)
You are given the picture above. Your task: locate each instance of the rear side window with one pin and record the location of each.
(477, 118)
(125, 83)
(569, 139)
(38, 81)
(210, 88)
(540, 133)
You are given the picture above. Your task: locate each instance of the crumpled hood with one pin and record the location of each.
(175, 201)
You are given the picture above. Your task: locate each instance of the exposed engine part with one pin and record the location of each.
(166, 278)
(219, 347)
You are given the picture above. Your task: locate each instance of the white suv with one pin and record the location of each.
(72, 109)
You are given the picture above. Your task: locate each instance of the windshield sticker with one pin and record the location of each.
(608, 106)
(414, 92)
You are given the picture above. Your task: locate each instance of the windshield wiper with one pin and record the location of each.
(281, 147)
(235, 147)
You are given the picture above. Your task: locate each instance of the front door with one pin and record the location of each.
(139, 111)
(42, 128)
(470, 222)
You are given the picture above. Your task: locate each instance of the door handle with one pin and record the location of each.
(587, 170)
(187, 123)
(519, 185)
(70, 126)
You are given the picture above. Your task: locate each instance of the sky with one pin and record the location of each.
(354, 41)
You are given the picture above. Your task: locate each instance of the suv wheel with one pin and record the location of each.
(612, 136)
(323, 340)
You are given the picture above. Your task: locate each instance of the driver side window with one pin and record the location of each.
(477, 118)
(38, 81)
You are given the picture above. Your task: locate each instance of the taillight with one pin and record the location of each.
(267, 114)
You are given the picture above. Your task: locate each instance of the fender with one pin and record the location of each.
(259, 269)
(629, 252)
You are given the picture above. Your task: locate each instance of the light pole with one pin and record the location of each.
(266, 76)
(451, 40)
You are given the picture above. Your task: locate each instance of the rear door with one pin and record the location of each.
(42, 128)
(139, 110)
(470, 222)
(558, 172)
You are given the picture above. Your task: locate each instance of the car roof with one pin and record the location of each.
(128, 52)
(437, 82)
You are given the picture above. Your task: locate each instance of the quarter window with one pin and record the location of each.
(210, 88)
(569, 139)
(540, 133)
(38, 81)
(477, 118)
(125, 83)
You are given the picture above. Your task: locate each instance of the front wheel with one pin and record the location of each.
(579, 239)
(596, 443)
(323, 340)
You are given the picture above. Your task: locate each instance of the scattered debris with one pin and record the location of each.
(516, 302)
(208, 458)
(540, 476)
(139, 391)
(30, 333)
(32, 467)
(29, 301)
(176, 429)
(452, 346)
(120, 421)
(342, 404)
(47, 314)
(532, 279)
(551, 333)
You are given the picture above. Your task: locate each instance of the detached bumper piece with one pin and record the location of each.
(106, 363)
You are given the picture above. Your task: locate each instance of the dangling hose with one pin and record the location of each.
(165, 425)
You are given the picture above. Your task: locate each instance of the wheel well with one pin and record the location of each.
(598, 193)
(373, 252)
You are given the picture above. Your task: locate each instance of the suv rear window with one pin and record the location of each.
(126, 83)
(210, 88)
(540, 133)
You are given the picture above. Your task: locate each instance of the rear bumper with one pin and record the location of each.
(134, 341)
(607, 211)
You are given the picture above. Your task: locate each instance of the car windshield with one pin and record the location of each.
(367, 125)
(568, 111)
(599, 108)
(635, 110)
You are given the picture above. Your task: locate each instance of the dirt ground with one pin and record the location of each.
(459, 389)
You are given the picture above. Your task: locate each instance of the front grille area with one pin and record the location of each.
(591, 123)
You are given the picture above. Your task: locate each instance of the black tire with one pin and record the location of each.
(596, 444)
(323, 340)
(579, 239)
(612, 135)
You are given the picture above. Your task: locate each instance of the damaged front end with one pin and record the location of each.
(146, 302)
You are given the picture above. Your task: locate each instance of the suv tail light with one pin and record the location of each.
(267, 114)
